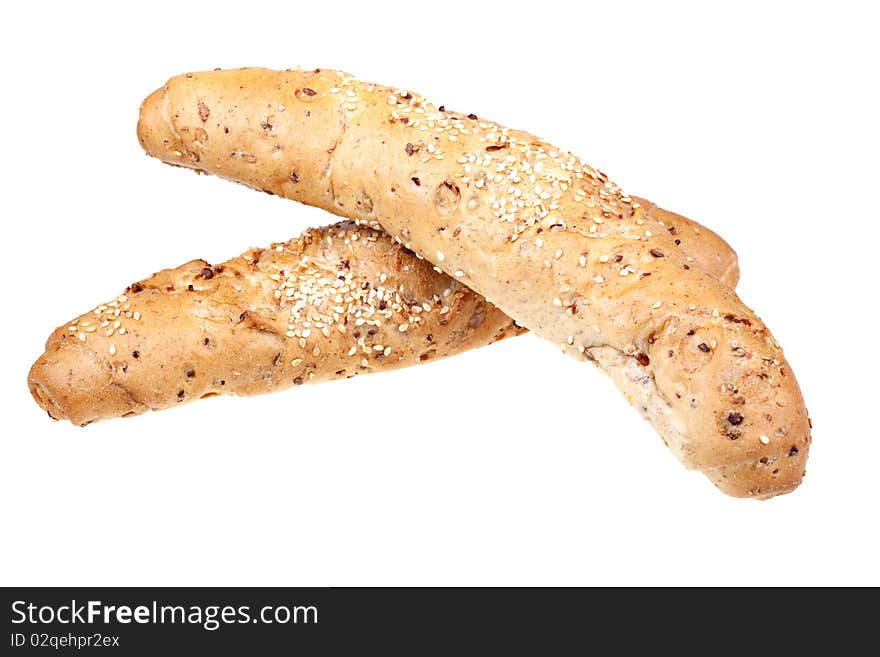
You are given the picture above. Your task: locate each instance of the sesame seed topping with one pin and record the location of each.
(764, 440)
(657, 304)
(112, 349)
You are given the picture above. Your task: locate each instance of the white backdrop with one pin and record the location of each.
(507, 465)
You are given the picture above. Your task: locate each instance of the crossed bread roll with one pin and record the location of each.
(338, 301)
(545, 237)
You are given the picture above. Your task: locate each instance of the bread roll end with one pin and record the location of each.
(69, 382)
(156, 133)
(762, 479)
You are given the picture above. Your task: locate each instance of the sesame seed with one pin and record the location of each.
(764, 440)
(582, 261)
(402, 328)
(440, 256)
(112, 350)
(657, 304)
(557, 301)
(598, 279)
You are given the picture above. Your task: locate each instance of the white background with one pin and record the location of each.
(507, 465)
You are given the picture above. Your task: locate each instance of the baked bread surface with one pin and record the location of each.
(543, 236)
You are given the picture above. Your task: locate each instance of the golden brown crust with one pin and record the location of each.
(704, 247)
(547, 238)
(167, 330)
(336, 302)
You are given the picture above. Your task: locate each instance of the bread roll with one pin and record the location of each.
(336, 302)
(543, 236)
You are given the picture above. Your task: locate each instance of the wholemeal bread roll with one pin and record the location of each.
(548, 239)
(313, 309)
(336, 302)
